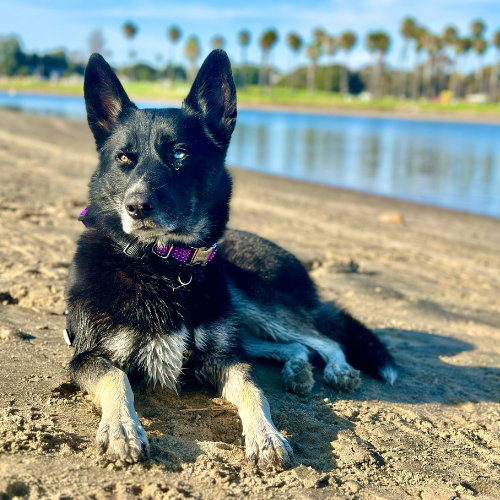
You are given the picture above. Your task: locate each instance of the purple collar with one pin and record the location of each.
(190, 256)
(187, 255)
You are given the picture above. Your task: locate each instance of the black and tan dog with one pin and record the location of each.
(157, 276)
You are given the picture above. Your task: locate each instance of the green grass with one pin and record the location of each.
(254, 96)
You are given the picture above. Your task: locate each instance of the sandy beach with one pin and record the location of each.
(426, 279)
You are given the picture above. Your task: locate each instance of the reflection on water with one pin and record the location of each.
(454, 165)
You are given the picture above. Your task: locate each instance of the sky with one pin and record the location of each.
(44, 25)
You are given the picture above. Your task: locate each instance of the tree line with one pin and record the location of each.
(15, 62)
(440, 61)
(429, 64)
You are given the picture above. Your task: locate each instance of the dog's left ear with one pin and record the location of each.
(105, 98)
(213, 97)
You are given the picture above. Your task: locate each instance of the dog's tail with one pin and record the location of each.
(363, 350)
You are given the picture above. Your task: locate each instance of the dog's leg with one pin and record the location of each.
(120, 433)
(264, 444)
(338, 373)
(297, 371)
(288, 327)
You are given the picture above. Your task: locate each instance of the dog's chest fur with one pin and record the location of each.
(162, 358)
(144, 319)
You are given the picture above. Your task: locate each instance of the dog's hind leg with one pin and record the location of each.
(297, 372)
(264, 444)
(120, 432)
(338, 373)
(362, 348)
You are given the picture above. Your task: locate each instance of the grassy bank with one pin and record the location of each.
(277, 97)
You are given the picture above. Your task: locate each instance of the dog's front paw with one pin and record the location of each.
(341, 376)
(122, 436)
(298, 376)
(268, 448)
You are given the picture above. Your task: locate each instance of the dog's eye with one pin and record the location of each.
(179, 154)
(123, 158)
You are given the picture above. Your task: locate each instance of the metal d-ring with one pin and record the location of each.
(182, 282)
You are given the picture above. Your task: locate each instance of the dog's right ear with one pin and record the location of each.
(213, 97)
(105, 98)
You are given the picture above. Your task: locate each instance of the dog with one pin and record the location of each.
(158, 282)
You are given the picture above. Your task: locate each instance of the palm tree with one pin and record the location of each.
(174, 34)
(371, 42)
(449, 37)
(267, 41)
(495, 41)
(408, 27)
(244, 38)
(479, 46)
(433, 45)
(313, 52)
(192, 51)
(319, 35)
(477, 27)
(419, 36)
(96, 42)
(130, 31)
(218, 42)
(462, 48)
(319, 38)
(378, 42)
(295, 42)
(384, 42)
(347, 41)
(331, 45)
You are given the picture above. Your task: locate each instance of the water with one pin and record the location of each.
(453, 165)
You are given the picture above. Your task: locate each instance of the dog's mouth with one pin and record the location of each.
(157, 230)
(162, 234)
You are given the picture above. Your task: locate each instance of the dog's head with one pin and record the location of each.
(161, 175)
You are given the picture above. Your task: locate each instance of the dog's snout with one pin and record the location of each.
(141, 205)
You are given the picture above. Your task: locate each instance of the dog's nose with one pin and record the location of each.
(141, 205)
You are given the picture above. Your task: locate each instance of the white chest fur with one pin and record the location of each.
(161, 358)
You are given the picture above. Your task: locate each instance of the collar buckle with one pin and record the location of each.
(201, 256)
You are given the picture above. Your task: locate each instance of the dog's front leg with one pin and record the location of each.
(264, 444)
(120, 432)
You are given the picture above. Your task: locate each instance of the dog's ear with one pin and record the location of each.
(213, 97)
(105, 98)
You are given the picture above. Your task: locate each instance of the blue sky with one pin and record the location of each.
(48, 24)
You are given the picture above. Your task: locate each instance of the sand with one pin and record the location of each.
(426, 279)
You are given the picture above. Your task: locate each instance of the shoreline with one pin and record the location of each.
(320, 190)
(432, 116)
(446, 115)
